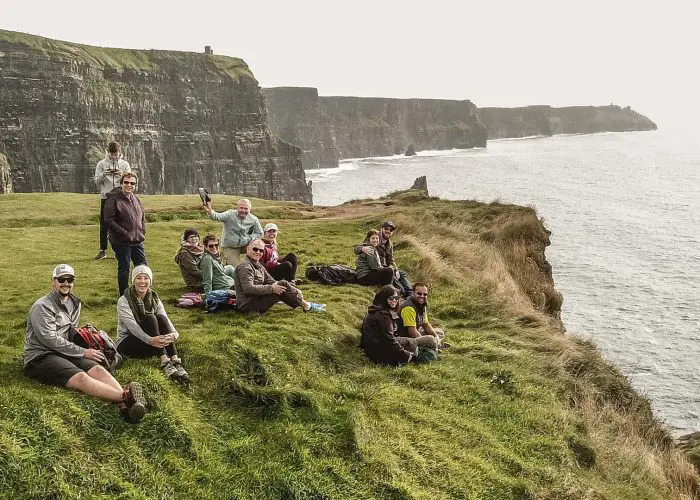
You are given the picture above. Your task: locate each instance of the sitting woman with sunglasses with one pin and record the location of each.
(215, 275)
(144, 329)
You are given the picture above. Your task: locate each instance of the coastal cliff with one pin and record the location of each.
(185, 120)
(545, 120)
(332, 128)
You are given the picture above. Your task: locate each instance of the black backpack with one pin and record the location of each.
(333, 274)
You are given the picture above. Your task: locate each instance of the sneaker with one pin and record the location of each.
(135, 403)
(181, 373)
(316, 308)
(297, 282)
(169, 370)
(445, 345)
(101, 255)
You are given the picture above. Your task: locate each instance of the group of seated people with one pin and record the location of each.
(393, 332)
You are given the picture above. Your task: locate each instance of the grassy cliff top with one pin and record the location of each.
(129, 59)
(284, 405)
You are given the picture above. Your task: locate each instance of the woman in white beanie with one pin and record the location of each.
(280, 268)
(144, 328)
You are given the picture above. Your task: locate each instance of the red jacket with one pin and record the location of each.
(270, 258)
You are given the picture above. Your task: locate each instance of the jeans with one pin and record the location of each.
(125, 255)
(405, 286)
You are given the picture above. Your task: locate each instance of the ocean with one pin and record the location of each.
(624, 211)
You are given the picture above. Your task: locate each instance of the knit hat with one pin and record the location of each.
(142, 269)
(270, 225)
(63, 270)
(190, 231)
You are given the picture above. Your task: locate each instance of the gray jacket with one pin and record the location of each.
(104, 178)
(48, 328)
(251, 279)
(237, 232)
(127, 325)
(367, 262)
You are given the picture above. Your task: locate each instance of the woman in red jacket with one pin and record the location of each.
(280, 268)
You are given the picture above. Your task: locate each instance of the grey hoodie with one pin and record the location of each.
(106, 180)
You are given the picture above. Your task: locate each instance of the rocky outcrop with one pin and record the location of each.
(410, 151)
(184, 120)
(294, 114)
(546, 120)
(421, 184)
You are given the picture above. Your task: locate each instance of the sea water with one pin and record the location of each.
(624, 211)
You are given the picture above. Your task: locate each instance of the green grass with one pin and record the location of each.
(284, 405)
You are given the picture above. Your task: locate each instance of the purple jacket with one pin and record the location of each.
(125, 218)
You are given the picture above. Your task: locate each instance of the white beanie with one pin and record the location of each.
(142, 269)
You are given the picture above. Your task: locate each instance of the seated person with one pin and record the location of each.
(188, 256)
(379, 340)
(413, 317)
(369, 267)
(257, 291)
(386, 255)
(215, 275)
(144, 328)
(51, 358)
(280, 268)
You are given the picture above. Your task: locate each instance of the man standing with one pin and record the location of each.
(108, 172)
(413, 317)
(51, 358)
(126, 220)
(240, 228)
(386, 255)
(257, 291)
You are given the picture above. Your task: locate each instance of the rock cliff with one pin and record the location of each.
(184, 120)
(546, 120)
(328, 128)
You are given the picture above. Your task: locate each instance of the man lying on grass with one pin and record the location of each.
(257, 291)
(51, 358)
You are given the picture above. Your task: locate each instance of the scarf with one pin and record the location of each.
(141, 307)
(193, 249)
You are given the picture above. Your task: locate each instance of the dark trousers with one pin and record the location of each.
(287, 268)
(403, 284)
(103, 226)
(125, 255)
(261, 303)
(154, 325)
(378, 277)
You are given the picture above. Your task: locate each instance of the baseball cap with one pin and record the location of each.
(63, 270)
(389, 224)
(269, 226)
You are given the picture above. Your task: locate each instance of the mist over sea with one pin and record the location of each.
(624, 211)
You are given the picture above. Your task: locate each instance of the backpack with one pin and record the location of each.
(220, 300)
(90, 337)
(190, 300)
(426, 355)
(333, 274)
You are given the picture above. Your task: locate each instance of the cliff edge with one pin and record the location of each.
(184, 120)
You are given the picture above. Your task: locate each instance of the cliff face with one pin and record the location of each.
(329, 128)
(184, 120)
(295, 115)
(546, 120)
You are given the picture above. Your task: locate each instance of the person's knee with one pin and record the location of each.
(78, 380)
(98, 371)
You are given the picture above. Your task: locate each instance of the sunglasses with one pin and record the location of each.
(65, 279)
(259, 250)
(212, 245)
(390, 229)
(393, 297)
(130, 183)
(421, 294)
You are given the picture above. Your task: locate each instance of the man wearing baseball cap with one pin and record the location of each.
(51, 358)
(386, 256)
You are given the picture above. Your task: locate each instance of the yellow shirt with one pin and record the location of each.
(408, 315)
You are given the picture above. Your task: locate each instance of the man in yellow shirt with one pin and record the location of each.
(413, 317)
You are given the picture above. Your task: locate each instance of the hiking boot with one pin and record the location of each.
(169, 370)
(181, 373)
(102, 254)
(316, 308)
(297, 282)
(134, 402)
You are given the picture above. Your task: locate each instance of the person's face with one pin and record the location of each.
(420, 294)
(255, 250)
(393, 301)
(271, 234)
(128, 184)
(243, 210)
(213, 246)
(374, 240)
(114, 156)
(63, 284)
(193, 239)
(142, 283)
(387, 232)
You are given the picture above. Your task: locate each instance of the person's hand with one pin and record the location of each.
(160, 341)
(278, 289)
(94, 355)
(367, 250)
(396, 275)
(207, 208)
(118, 171)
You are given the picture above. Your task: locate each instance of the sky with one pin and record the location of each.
(495, 53)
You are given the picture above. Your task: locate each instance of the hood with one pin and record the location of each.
(375, 308)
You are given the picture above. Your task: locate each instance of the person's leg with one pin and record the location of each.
(164, 329)
(408, 344)
(427, 341)
(406, 285)
(123, 255)
(101, 373)
(377, 277)
(138, 255)
(103, 227)
(292, 296)
(262, 303)
(93, 387)
(292, 259)
(284, 271)
(133, 347)
(231, 256)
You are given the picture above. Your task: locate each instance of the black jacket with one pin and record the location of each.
(378, 338)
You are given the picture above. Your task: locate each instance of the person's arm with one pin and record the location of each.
(408, 315)
(245, 275)
(267, 278)
(124, 166)
(99, 174)
(143, 216)
(389, 255)
(126, 319)
(427, 327)
(43, 320)
(160, 309)
(372, 259)
(257, 230)
(206, 267)
(218, 216)
(110, 218)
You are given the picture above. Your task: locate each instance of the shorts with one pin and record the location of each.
(54, 369)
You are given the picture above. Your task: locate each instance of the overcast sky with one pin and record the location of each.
(495, 53)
